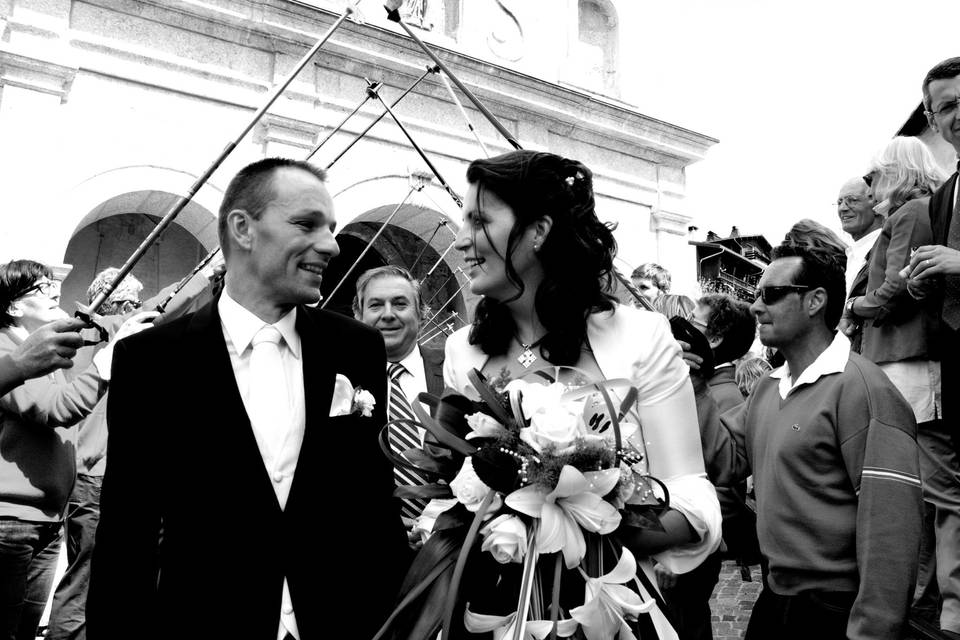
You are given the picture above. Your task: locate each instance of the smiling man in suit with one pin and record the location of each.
(857, 217)
(275, 506)
(388, 299)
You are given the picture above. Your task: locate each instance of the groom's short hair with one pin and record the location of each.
(252, 190)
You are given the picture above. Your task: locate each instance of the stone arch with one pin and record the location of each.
(418, 237)
(117, 209)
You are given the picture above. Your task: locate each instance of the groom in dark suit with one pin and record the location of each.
(246, 496)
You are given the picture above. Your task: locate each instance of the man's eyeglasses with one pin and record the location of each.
(946, 109)
(773, 295)
(128, 305)
(46, 287)
(850, 201)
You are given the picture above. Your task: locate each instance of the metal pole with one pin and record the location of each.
(370, 85)
(369, 245)
(440, 259)
(393, 14)
(423, 155)
(629, 286)
(463, 112)
(381, 116)
(182, 201)
(427, 244)
(440, 288)
(162, 307)
(449, 300)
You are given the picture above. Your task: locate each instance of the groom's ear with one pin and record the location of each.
(239, 229)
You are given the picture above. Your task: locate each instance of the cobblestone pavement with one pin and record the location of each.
(732, 602)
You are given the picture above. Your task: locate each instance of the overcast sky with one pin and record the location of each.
(800, 95)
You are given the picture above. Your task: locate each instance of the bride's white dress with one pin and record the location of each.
(636, 344)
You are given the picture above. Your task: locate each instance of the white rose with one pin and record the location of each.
(505, 538)
(552, 426)
(470, 490)
(536, 397)
(364, 402)
(484, 426)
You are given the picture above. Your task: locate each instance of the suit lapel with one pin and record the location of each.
(318, 381)
(220, 394)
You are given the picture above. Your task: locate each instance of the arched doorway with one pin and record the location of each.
(418, 239)
(109, 234)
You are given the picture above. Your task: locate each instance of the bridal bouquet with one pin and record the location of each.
(530, 484)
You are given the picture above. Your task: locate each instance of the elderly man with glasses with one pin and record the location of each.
(832, 447)
(38, 437)
(855, 209)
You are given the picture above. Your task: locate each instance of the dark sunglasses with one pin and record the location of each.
(773, 295)
(868, 179)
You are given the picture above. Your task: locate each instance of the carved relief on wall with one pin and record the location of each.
(505, 38)
(422, 13)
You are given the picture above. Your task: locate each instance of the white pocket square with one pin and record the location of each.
(348, 399)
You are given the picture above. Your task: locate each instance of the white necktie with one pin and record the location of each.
(269, 403)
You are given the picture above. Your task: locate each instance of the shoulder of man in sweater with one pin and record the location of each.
(867, 396)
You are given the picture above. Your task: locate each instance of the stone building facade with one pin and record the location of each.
(109, 109)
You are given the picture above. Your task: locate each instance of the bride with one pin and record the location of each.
(537, 253)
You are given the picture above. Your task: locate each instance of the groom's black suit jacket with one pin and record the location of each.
(192, 542)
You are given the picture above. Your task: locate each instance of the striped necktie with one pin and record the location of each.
(403, 436)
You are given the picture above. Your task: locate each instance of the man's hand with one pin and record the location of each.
(921, 289)
(135, 324)
(693, 360)
(934, 260)
(50, 347)
(848, 327)
(666, 579)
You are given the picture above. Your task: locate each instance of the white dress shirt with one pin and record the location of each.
(413, 381)
(857, 255)
(239, 327)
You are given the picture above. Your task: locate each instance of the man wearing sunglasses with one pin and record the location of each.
(38, 438)
(832, 447)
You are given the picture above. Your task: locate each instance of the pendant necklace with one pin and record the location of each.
(527, 357)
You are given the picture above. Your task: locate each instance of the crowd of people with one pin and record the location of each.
(230, 483)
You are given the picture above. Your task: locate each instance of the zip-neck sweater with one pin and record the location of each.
(836, 472)
(38, 436)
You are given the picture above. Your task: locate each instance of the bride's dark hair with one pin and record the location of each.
(577, 254)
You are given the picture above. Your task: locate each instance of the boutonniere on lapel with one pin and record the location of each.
(348, 399)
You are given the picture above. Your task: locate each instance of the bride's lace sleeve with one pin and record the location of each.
(668, 416)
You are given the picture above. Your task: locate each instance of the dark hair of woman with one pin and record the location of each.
(577, 254)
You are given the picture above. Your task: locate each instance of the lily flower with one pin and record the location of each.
(608, 604)
(574, 503)
(504, 627)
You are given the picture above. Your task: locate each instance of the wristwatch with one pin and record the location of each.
(849, 306)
